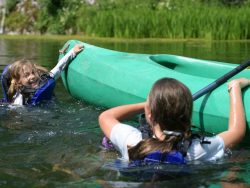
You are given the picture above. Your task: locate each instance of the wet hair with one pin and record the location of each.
(170, 103)
(15, 73)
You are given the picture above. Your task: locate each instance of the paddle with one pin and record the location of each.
(220, 80)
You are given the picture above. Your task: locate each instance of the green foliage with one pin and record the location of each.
(23, 18)
(17, 20)
(58, 16)
(208, 19)
(10, 5)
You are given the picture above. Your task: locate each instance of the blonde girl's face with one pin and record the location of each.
(28, 77)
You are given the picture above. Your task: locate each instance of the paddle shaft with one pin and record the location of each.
(220, 80)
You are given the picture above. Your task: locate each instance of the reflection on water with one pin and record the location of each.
(58, 144)
(231, 52)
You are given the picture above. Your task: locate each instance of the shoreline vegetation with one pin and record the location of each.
(108, 39)
(206, 20)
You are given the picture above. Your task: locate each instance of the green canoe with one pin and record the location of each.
(110, 78)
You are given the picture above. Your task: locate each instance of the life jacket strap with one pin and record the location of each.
(144, 127)
(201, 137)
(5, 82)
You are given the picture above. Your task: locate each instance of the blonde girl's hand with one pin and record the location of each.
(240, 82)
(78, 48)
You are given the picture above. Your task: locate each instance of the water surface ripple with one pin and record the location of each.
(57, 144)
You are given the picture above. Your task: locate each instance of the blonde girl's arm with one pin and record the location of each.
(57, 70)
(237, 122)
(109, 118)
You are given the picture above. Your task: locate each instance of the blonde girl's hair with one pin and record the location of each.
(14, 72)
(171, 104)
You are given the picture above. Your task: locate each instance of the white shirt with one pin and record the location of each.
(18, 99)
(123, 135)
(60, 66)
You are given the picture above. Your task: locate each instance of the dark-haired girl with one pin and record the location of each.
(168, 111)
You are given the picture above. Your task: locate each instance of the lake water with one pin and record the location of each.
(58, 144)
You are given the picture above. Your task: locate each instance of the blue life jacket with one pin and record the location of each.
(5, 82)
(173, 157)
(147, 171)
(155, 165)
(44, 92)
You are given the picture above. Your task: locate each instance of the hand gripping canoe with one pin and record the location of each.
(220, 80)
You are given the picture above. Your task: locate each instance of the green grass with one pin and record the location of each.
(204, 22)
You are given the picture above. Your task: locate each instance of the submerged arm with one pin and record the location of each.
(57, 70)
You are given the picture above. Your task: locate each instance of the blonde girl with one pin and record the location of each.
(26, 78)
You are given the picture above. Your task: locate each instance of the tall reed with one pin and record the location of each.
(188, 21)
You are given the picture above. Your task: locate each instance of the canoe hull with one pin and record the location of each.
(109, 78)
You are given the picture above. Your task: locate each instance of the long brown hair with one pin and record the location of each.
(171, 104)
(15, 70)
